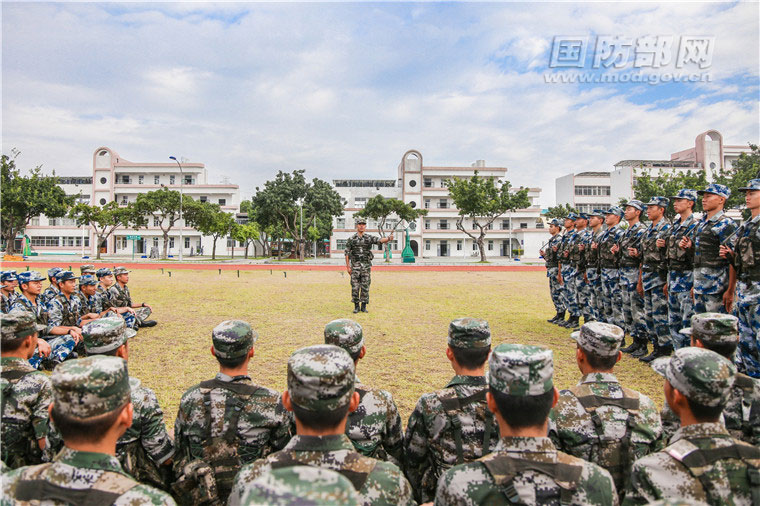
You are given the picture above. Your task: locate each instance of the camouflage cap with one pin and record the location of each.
(346, 334)
(26, 277)
(106, 334)
(53, 271)
(469, 333)
(604, 339)
(555, 222)
(360, 221)
(87, 269)
(571, 216)
(717, 189)
(597, 212)
(88, 279)
(302, 486)
(521, 369)
(658, 201)
(233, 339)
(752, 184)
(90, 386)
(582, 216)
(713, 328)
(8, 275)
(616, 210)
(65, 276)
(105, 271)
(701, 375)
(320, 377)
(686, 193)
(636, 204)
(17, 324)
(120, 270)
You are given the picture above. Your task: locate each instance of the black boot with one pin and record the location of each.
(659, 351)
(641, 347)
(571, 322)
(630, 348)
(148, 323)
(364, 307)
(655, 353)
(557, 317)
(356, 307)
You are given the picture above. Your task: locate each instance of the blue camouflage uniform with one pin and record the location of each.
(593, 270)
(610, 274)
(7, 301)
(552, 269)
(653, 278)
(633, 303)
(568, 270)
(582, 287)
(52, 290)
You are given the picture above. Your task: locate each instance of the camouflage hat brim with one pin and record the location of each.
(575, 335)
(91, 386)
(114, 345)
(701, 375)
(685, 331)
(321, 378)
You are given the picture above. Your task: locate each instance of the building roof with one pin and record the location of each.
(656, 163)
(593, 174)
(363, 183)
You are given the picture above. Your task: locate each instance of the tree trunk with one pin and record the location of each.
(246, 249)
(213, 250)
(482, 249)
(233, 250)
(97, 247)
(166, 245)
(279, 249)
(10, 242)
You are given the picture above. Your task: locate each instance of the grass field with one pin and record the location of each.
(405, 330)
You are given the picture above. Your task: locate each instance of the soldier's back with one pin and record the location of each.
(374, 427)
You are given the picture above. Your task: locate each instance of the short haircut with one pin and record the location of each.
(724, 349)
(705, 414)
(354, 356)
(521, 411)
(320, 420)
(470, 358)
(231, 363)
(599, 362)
(84, 430)
(14, 344)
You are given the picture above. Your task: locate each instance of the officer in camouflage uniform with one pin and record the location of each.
(703, 462)
(653, 276)
(453, 425)
(630, 261)
(120, 297)
(374, 427)
(680, 265)
(52, 290)
(85, 390)
(301, 486)
(359, 263)
(552, 269)
(225, 422)
(321, 394)
(578, 256)
(568, 272)
(8, 291)
(718, 332)
(525, 467)
(599, 420)
(609, 259)
(593, 275)
(712, 272)
(26, 392)
(746, 260)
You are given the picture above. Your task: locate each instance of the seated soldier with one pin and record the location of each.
(87, 269)
(93, 304)
(321, 394)
(525, 467)
(52, 290)
(374, 427)
(8, 290)
(226, 422)
(301, 486)
(120, 297)
(26, 392)
(703, 462)
(92, 409)
(599, 420)
(453, 425)
(103, 298)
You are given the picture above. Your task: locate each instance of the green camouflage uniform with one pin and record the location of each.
(320, 379)
(83, 389)
(301, 486)
(702, 462)
(26, 395)
(375, 427)
(359, 253)
(120, 297)
(601, 421)
(453, 425)
(525, 470)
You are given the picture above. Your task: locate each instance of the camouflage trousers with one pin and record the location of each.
(583, 295)
(708, 303)
(633, 303)
(60, 348)
(141, 314)
(748, 358)
(360, 280)
(595, 304)
(555, 289)
(656, 312)
(569, 296)
(612, 300)
(680, 311)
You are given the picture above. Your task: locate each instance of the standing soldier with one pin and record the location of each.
(652, 279)
(120, 297)
(453, 425)
(746, 258)
(609, 258)
(567, 273)
(680, 265)
(8, 291)
(52, 290)
(712, 273)
(359, 263)
(593, 276)
(552, 263)
(374, 427)
(578, 255)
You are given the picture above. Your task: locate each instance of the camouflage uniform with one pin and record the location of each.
(582, 287)
(633, 303)
(601, 421)
(453, 425)
(359, 254)
(320, 379)
(703, 462)
(654, 274)
(710, 270)
(26, 396)
(374, 427)
(65, 310)
(525, 470)
(7, 300)
(568, 270)
(302, 486)
(552, 269)
(226, 422)
(595, 302)
(83, 389)
(610, 273)
(120, 297)
(52, 290)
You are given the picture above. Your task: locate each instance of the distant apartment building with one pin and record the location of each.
(436, 235)
(584, 191)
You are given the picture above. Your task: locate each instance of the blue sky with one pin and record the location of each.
(344, 89)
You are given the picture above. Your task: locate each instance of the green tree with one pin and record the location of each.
(23, 197)
(163, 206)
(667, 184)
(104, 220)
(209, 219)
(381, 209)
(246, 233)
(742, 170)
(560, 211)
(483, 199)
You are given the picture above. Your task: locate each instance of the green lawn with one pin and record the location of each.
(405, 330)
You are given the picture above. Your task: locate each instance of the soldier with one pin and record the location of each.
(608, 260)
(578, 257)
(374, 427)
(65, 309)
(453, 425)
(86, 269)
(718, 332)
(8, 291)
(653, 275)
(58, 342)
(92, 409)
(525, 467)
(52, 290)
(703, 462)
(680, 265)
(592, 275)
(120, 297)
(599, 420)
(746, 259)
(568, 272)
(552, 270)
(26, 392)
(359, 263)
(301, 486)
(321, 394)
(105, 281)
(630, 259)
(225, 422)
(712, 273)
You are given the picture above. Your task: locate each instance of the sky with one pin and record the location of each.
(343, 90)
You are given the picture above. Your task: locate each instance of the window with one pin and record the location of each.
(490, 245)
(124, 199)
(394, 244)
(44, 241)
(443, 183)
(102, 202)
(155, 242)
(443, 204)
(427, 203)
(124, 179)
(140, 179)
(156, 221)
(475, 246)
(35, 221)
(427, 182)
(427, 244)
(230, 242)
(489, 226)
(712, 165)
(72, 241)
(474, 225)
(539, 224)
(412, 204)
(103, 180)
(505, 224)
(340, 223)
(443, 225)
(459, 245)
(155, 180)
(171, 242)
(171, 179)
(523, 225)
(222, 202)
(360, 202)
(340, 244)
(427, 224)
(188, 180)
(413, 183)
(592, 190)
(187, 242)
(53, 222)
(121, 242)
(203, 198)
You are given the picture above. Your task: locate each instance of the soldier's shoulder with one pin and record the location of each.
(265, 394)
(143, 394)
(431, 401)
(144, 494)
(376, 393)
(464, 479)
(591, 473)
(191, 396)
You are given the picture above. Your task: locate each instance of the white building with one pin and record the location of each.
(436, 235)
(584, 191)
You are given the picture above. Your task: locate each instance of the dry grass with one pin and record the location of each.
(405, 330)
